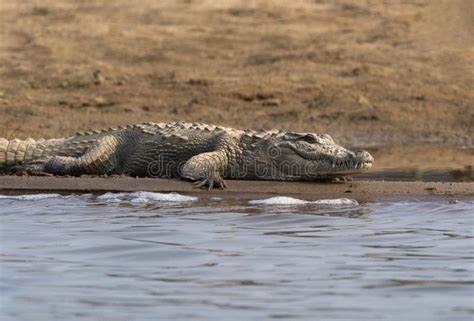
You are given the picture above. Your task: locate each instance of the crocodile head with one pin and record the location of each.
(309, 156)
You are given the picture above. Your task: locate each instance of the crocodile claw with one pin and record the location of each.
(35, 168)
(214, 180)
(347, 178)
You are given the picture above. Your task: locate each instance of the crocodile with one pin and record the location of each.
(204, 154)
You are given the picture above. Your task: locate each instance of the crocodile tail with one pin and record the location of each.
(3, 156)
(16, 151)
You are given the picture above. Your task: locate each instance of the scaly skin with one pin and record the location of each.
(202, 153)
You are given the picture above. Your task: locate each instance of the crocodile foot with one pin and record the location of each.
(212, 181)
(347, 178)
(35, 168)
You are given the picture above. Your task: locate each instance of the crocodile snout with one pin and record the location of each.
(364, 156)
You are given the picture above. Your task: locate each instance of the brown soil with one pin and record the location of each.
(367, 72)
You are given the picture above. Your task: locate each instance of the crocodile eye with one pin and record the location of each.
(310, 138)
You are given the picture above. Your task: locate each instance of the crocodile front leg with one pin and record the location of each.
(206, 169)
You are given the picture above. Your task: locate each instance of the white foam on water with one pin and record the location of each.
(279, 200)
(146, 197)
(30, 197)
(112, 197)
(285, 200)
(336, 201)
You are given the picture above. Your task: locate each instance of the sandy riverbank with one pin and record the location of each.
(359, 190)
(368, 73)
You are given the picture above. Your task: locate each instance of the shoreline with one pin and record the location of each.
(362, 191)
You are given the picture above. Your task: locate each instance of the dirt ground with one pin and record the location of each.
(368, 72)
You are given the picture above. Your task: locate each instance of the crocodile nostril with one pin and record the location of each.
(364, 156)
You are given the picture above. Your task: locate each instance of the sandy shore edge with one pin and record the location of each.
(359, 190)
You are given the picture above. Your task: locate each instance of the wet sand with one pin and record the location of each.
(359, 190)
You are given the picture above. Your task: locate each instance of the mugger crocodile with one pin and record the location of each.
(205, 154)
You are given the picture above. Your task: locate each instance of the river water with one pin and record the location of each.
(148, 256)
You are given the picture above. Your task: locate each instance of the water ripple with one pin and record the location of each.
(86, 258)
